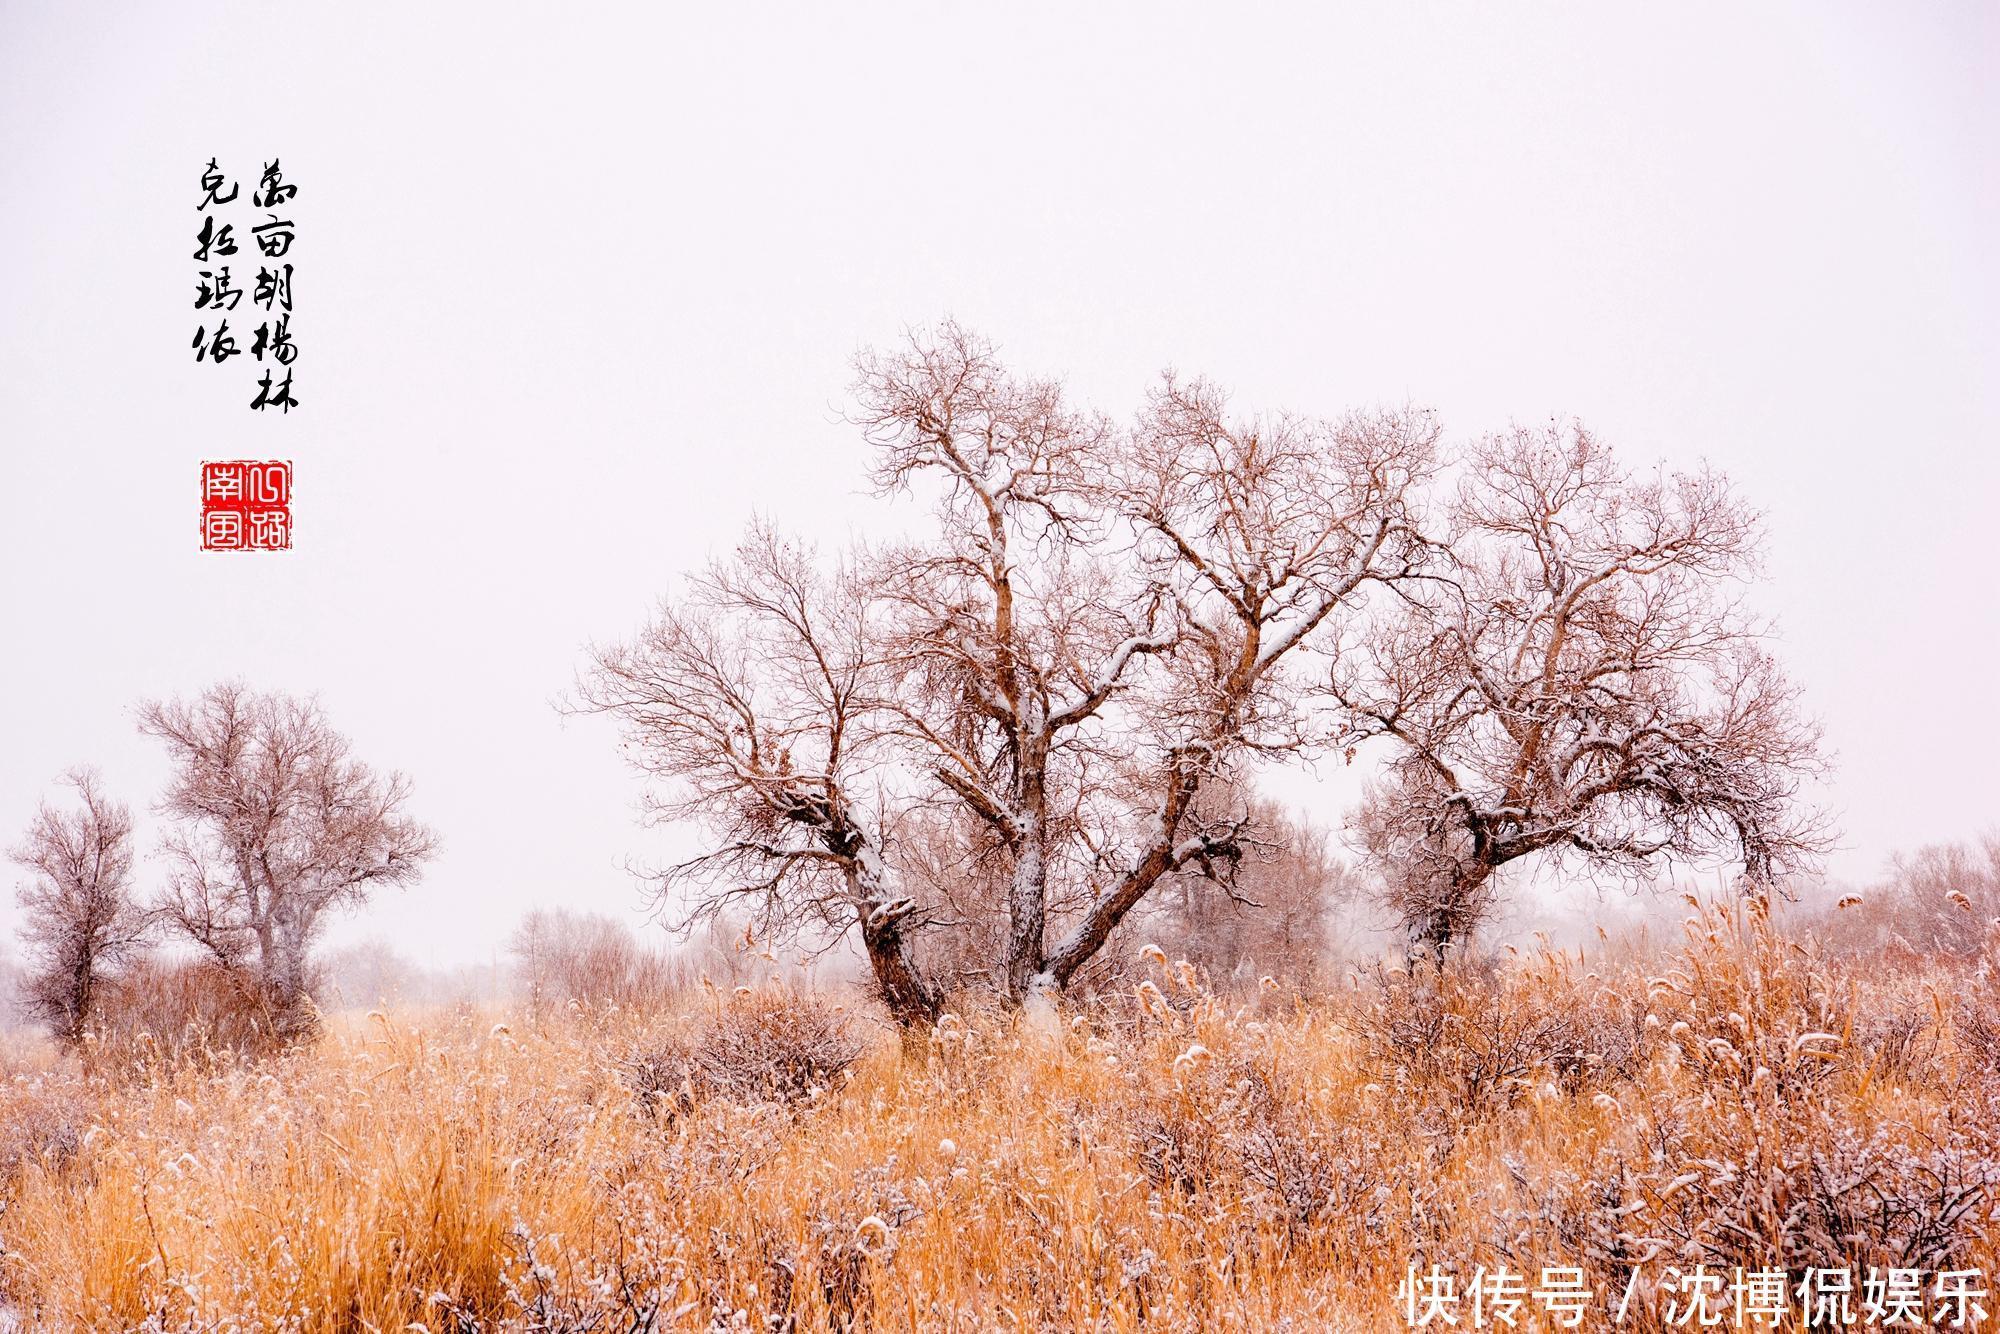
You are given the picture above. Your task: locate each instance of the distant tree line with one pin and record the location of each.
(273, 826)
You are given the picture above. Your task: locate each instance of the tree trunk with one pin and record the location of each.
(1449, 919)
(83, 987)
(1027, 907)
(903, 992)
(286, 995)
(1103, 916)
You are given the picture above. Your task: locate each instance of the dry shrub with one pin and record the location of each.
(1902, 1045)
(1312, 1176)
(167, 1010)
(1464, 1043)
(1226, 1119)
(854, 1234)
(1166, 1158)
(1819, 1192)
(1975, 1011)
(774, 1045)
(41, 1124)
(1782, 1119)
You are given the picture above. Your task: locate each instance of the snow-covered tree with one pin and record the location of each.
(1098, 623)
(756, 699)
(79, 916)
(1584, 684)
(277, 828)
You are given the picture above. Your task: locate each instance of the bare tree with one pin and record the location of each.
(1101, 621)
(590, 959)
(372, 972)
(279, 827)
(1012, 630)
(1586, 685)
(12, 998)
(1104, 620)
(79, 915)
(754, 698)
(1940, 899)
(1265, 535)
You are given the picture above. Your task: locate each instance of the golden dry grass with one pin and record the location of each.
(1165, 1160)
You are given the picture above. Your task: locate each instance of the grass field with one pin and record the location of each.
(1160, 1159)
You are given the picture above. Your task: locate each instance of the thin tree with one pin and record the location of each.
(1586, 686)
(79, 916)
(754, 698)
(278, 828)
(562, 957)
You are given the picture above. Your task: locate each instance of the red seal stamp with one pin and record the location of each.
(246, 506)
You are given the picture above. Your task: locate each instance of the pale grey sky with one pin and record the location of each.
(578, 285)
